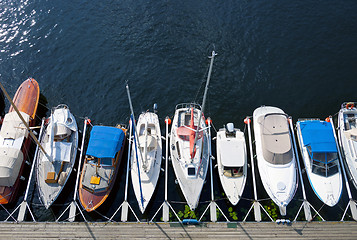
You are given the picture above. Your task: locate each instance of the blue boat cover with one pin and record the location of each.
(318, 135)
(105, 142)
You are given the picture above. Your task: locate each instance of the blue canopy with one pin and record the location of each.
(318, 135)
(105, 142)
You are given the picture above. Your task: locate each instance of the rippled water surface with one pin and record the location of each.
(299, 56)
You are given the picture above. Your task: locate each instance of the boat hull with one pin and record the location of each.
(144, 186)
(26, 100)
(191, 185)
(232, 148)
(347, 121)
(64, 152)
(327, 189)
(91, 200)
(279, 180)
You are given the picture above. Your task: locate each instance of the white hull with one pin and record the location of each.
(328, 189)
(152, 154)
(279, 180)
(62, 152)
(191, 184)
(232, 149)
(347, 122)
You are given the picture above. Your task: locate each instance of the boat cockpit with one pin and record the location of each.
(323, 163)
(233, 172)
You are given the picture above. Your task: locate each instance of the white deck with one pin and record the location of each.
(280, 181)
(191, 186)
(232, 152)
(147, 122)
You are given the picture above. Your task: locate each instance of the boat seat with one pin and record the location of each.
(51, 177)
(61, 132)
(62, 178)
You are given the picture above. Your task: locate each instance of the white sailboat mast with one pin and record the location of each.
(203, 102)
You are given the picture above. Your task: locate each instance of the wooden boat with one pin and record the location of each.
(275, 155)
(232, 161)
(320, 155)
(60, 141)
(101, 165)
(347, 134)
(146, 163)
(15, 140)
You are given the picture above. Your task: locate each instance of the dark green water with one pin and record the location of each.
(298, 56)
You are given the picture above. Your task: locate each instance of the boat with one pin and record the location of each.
(15, 140)
(347, 134)
(275, 155)
(189, 147)
(101, 165)
(320, 156)
(60, 141)
(232, 161)
(146, 163)
(189, 160)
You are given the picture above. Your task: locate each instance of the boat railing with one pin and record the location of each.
(349, 105)
(188, 105)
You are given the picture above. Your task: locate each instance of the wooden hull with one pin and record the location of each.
(26, 100)
(92, 200)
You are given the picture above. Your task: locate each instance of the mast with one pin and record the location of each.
(134, 124)
(204, 101)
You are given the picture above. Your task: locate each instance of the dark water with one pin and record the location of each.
(299, 56)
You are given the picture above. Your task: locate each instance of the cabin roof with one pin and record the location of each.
(318, 135)
(105, 142)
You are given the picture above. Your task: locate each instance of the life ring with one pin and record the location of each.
(350, 105)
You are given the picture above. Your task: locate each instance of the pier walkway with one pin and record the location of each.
(248, 230)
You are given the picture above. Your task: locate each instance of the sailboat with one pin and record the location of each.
(146, 162)
(189, 147)
(347, 133)
(320, 154)
(60, 141)
(232, 161)
(15, 140)
(275, 155)
(101, 165)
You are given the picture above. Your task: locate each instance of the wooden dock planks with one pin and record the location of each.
(251, 230)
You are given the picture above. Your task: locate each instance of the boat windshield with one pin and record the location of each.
(106, 162)
(233, 171)
(92, 160)
(323, 163)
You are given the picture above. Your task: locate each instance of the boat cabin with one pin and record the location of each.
(323, 163)
(276, 142)
(319, 140)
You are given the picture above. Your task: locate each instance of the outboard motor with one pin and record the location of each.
(230, 129)
(155, 107)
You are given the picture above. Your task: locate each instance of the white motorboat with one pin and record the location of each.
(146, 163)
(232, 161)
(60, 141)
(320, 155)
(275, 155)
(190, 158)
(347, 133)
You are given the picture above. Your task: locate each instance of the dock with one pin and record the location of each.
(232, 230)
